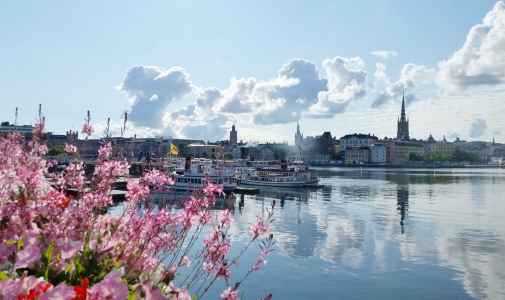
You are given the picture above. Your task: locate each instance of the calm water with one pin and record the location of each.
(381, 234)
(385, 233)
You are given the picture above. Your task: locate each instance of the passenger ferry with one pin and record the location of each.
(196, 174)
(276, 180)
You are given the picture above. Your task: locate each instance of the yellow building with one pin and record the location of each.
(398, 151)
(445, 148)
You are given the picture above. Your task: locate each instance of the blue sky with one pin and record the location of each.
(192, 69)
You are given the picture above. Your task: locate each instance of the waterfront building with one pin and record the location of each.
(398, 151)
(444, 147)
(25, 130)
(430, 145)
(378, 153)
(357, 154)
(204, 151)
(318, 148)
(357, 139)
(402, 132)
(460, 144)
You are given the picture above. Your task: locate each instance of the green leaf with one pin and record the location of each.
(42, 238)
(20, 243)
(131, 296)
(3, 276)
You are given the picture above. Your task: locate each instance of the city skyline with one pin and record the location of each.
(192, 70)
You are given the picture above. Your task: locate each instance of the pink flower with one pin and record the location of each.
(226, 218)
(258, 228)
(26, 257)
(61, 291)
(87, 129)
(8, 289)
(109, 288)
(185, 261)
(69, 148)
(229, 294)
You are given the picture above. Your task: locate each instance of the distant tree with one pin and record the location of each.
(205, 155)
(57, 150)
(436, 156)
(229, 155)
(461, 156)
(415, 157)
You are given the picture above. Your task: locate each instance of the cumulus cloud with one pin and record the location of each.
(298, 90)
(478, 128)
(151, 89)
(481, 60)
(410, 76)
(380, 73)
(384, 54)
(346, 82)
(279, 100)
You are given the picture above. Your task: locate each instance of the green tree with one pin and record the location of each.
(461, 156)
(415, 157)
(57, 150)
(229, 155)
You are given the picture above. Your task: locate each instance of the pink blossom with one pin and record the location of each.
(185, 261)
(87, 129)
(8, 289)
(109, 288)
(226, 218)
(258, 228)
(229, 294)
(69, 148)
(39, 128)
(61, 291)
(27, 257)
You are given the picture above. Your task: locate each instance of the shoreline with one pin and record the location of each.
(409, 166)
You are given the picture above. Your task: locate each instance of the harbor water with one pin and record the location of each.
(379, 234)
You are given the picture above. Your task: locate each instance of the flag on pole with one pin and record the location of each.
(173, 149)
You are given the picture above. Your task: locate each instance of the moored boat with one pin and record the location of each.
(197, 176)
(276, 180)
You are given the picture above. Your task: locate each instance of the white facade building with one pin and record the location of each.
(358, 140)
(378, 153)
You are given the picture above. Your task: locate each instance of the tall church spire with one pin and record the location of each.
(403, 123)
(402, 118)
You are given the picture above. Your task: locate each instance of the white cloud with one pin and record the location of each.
(410, 76)
(380, 73)
(276, 101)
(478, 128)
(151, 89)
(384, 54)
(346, 82)
(481, 60)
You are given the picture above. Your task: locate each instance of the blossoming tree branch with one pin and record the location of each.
(58, 246)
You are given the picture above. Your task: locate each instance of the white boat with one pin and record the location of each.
(300, 172)
(276, 180)
(196, 174)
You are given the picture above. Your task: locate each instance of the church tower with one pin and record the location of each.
(403, 124)
(298, 139)
(233, 136)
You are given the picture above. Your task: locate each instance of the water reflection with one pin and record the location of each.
(402, 193)
(448, 223)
